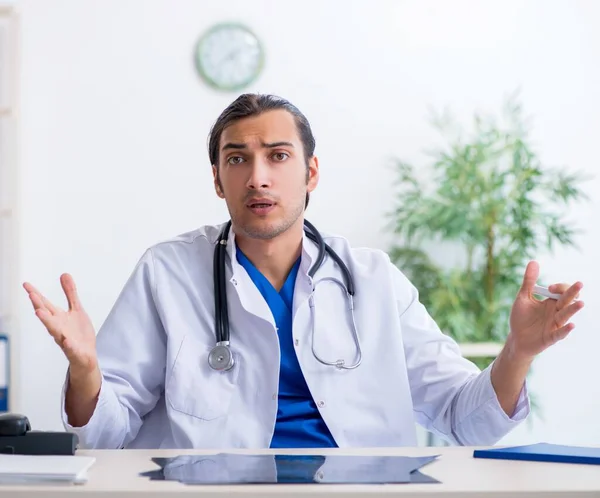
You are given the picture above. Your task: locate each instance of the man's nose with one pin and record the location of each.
(260, 176)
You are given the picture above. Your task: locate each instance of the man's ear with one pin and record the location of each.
(312, 176)
(217, 182)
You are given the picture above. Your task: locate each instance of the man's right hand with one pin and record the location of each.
(74, 333)
(72, 329)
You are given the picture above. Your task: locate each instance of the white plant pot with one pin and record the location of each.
(480, 349)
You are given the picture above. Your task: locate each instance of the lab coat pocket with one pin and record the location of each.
(196, 389)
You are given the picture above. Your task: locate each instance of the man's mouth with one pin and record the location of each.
(260, 206)
(260, 203)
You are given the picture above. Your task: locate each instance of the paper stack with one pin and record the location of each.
(39, 469)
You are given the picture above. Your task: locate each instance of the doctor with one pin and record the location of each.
(300, 362)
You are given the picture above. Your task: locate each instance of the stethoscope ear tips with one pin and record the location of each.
(220, 357)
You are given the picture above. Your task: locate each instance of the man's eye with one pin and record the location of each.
(280, 156)
(235, 160)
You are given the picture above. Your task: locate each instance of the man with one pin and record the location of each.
(309, 369)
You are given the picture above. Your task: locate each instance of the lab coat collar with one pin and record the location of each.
(310, 252)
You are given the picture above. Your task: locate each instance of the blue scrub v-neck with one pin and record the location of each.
(299, 423)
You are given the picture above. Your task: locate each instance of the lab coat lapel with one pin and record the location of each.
(240, 284)
(304, 284)
(250, 297)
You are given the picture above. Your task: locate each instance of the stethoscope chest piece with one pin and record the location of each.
(220, 357)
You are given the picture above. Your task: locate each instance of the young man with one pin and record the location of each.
(299, 362)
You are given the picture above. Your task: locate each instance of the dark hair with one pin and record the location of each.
(253, 104)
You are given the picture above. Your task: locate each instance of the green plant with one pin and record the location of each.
(492, 202)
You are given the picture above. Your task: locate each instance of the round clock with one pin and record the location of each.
(229, 56)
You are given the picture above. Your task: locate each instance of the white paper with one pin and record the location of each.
(35, 468)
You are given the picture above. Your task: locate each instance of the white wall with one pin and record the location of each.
(114, 124)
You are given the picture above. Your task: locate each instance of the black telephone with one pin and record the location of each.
(16, 437)
(13, 424)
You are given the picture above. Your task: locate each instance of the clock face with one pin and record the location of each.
(229, 57)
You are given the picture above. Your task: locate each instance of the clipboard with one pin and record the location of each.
(544, 452)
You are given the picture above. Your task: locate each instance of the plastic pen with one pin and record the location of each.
(543, 291)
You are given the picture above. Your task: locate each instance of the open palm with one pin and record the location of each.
(536, 325)
(72, 329)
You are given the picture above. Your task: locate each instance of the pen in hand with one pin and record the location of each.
(543, 291)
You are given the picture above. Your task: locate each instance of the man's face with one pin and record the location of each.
(262, 174)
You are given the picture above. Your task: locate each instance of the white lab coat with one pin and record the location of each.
(159, 392)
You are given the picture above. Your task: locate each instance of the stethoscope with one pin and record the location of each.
(220, 357)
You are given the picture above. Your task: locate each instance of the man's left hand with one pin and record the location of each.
(536, 324)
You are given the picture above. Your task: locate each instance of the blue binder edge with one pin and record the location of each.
(551, 453)
(5, 390)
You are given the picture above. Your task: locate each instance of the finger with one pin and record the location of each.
(68, 285)
(44, 301)
(37, 302)
(569, 295)
(561, 333)
(565, 314)
(46, 318)
(530, 277)
(561, 289)
(558, 288)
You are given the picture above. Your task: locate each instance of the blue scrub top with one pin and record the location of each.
(299, 423)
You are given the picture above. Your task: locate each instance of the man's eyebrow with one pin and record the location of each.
(278, 144)
(233, 146)
(272, 145)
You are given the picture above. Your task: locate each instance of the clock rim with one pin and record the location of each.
(198, 59)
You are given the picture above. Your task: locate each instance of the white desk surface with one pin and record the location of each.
(116, 474)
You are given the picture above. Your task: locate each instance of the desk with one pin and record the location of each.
(115, 474)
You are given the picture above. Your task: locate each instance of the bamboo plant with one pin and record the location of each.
(486, 196)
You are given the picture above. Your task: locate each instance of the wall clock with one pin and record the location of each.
(229, 56)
